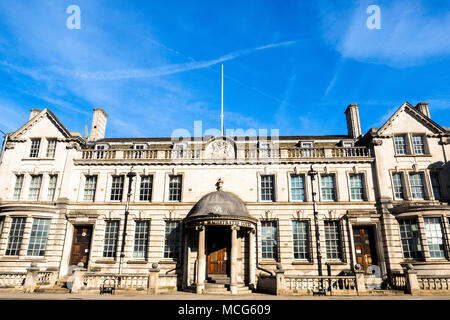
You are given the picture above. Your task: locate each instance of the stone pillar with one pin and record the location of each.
(279, 274)
(251, 259)
(153, 279)
(187, 253)
(360, 280)
(31, 278)
(412, 284)
(233, 260)
(201, 260)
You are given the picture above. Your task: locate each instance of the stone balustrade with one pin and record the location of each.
(440, 283)
(248, 154)
(12, 279)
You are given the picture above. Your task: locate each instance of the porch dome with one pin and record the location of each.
(219, 203)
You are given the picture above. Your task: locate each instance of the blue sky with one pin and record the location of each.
(154, 66)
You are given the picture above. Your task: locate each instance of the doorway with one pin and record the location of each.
(218, 244)
(81, 245)
(365, 250)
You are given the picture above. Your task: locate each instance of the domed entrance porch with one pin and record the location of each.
(219, 244)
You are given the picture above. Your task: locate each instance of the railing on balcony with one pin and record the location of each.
(247, 154)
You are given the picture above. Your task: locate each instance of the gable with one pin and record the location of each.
(45, 124)
(408, 119)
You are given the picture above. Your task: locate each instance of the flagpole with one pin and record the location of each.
(221, 112)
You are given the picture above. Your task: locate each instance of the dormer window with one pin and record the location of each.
(306, 148)
(35, 145)
(139, 146)
(100, 147)
(264, 150)
(179, 150)
(347, 144)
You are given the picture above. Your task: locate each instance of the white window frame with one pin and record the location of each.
(336, 188)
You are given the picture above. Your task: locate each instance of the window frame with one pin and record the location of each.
(436, 174)
(50, 176)
(423, 145)
(114, 191)
(307, 246)
(264, 175)
(41, 245)
(405, 144)
(422, 179)
(335, 188)
(364, 193)
(403, 185)
(106, 252)
(39, 190)
(442, 238)
(150, 195)
(176, 254)
(86, 176)
(179, 198)
(145, 239)
(20, 192)
(35, 153)
(53, 150)
(13, 248)
(340, 244)
(290, 188)
(275, 248)
(418, 239)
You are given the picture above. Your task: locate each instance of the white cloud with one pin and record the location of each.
(408, 36)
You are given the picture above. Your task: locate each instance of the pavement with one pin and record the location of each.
(192, 296)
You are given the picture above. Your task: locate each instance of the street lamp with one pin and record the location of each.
(130, 176)
(313, 173)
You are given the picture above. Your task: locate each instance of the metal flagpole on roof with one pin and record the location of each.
(221, 112)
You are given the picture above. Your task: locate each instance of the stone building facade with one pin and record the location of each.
(227, 209)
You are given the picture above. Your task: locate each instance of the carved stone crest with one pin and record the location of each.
(220, 149)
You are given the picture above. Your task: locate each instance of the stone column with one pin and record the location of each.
(251, 259)
(31, 278)
(233, 260)
(187, 252)
(201, 260)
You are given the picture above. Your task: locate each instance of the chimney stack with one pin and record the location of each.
(423, 108)
(98, 124)
(353, 123)
(34, 112)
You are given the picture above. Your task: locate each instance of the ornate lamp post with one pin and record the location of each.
(130, 176)
(313, 173)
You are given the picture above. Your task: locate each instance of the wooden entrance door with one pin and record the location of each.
(81, 245)
(218, 255)
(365, 250)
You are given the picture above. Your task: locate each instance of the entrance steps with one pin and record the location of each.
(220, 284)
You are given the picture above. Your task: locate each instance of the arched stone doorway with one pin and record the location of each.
(219, 243)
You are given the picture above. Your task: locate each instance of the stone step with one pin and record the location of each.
(54, 289)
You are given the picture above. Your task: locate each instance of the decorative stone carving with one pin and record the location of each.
(220, 149)
(377, 142)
